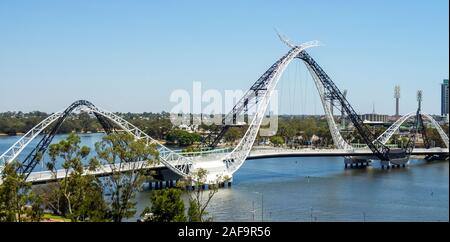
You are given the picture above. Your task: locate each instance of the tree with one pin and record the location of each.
(233, 134)
(79, 195)
(197, 201)
(167, 206)
(14, 194)
(126, 156)
(277, 140)
(183, 138)
(50, 196)
(36, 210)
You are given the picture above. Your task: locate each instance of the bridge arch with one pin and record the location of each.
(179, 164)
(388, 133)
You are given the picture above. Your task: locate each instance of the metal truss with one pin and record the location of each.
(338, 140)
(263, 88)
(177, 163)
(388, 133)
(441, 132)
(332, 92)
(12, 153)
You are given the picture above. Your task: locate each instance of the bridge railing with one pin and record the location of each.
(203, 152)
(364, 146)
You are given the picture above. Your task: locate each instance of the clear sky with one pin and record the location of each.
(130, 55)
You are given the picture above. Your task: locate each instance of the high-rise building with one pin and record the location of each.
(444, 98)
(397, 100)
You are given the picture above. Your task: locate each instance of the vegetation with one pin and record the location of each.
(77, 196)
(126, 156)
(182, 138)
(155, 125)
(198, 201)
(277, 140)
(81, 196)
(167, 206)
(17, 202)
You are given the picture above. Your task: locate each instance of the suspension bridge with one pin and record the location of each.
(222, 163)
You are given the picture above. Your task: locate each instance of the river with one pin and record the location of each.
(321, 189)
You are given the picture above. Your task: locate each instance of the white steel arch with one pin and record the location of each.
(441, 132)
(175, 162)
(12, 153)
(236, 158)
(387, 134)
(338, 140)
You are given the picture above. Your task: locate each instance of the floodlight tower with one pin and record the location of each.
(419, 99)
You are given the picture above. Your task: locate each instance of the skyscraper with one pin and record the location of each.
(444, 97)
(397, 100)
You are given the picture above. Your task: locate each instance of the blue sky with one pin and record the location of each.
(130, 55)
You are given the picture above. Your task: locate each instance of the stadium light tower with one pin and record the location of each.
(419, 98)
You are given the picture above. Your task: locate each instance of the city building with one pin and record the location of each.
(444, 98)
(397, 100)
(373, 118)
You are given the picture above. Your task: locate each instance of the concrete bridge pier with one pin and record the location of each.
(385, 164)
(356, 162)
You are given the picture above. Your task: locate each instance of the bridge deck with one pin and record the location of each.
(46, 176)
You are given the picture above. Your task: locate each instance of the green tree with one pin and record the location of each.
(183, 138)
(194, 211)
(14, 194)
(78, 193)
(167, 206)
(198, 202)
(126, 156)
(277, 140)
(233, 134)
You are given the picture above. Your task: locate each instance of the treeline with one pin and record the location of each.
(156, 125)
(292, 131)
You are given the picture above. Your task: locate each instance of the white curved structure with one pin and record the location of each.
(16, 148)
(387, 134)
(177, 163)
(236, 158)
(338, 140)
(441, 132)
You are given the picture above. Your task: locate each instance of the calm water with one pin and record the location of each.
(320, 189)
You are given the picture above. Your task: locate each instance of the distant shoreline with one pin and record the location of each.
(21, 134)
